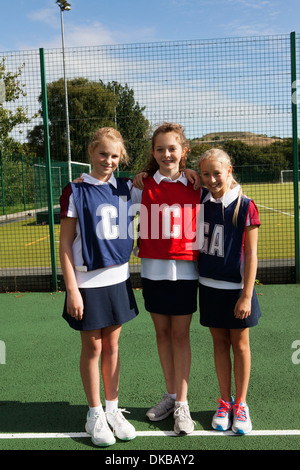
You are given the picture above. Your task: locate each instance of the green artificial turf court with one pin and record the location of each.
(41, 394)
(275, 203)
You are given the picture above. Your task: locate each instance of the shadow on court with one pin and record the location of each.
(62, 417)
(18, 417)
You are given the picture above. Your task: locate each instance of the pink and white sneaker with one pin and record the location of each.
(241, 419)
(222, 418)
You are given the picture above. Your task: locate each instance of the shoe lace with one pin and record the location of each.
(240, 412)
(182, 412)
(224, 408)
(119, 416)
(100, 421)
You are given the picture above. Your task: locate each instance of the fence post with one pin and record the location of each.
(2, 183)
(48, 169)
(23, 183)
(295, 154)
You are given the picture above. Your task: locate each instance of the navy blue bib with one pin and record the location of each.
(220, 257)
(104, 218)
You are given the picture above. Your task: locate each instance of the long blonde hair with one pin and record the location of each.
(112, 134)
(222, 157)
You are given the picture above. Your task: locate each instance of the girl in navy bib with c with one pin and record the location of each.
(95, 246)
(227, 270)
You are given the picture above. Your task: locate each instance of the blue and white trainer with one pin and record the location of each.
(241, 419)
(222, 418)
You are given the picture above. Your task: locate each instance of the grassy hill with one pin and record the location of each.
(246, 137)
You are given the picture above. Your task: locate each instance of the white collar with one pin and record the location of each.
(158, 177)
(90, 179)
(226, 199)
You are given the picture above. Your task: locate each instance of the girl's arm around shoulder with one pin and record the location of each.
(135, 192)
(191, 175)
(243, 305)
(79, 179)
(64, 200)
(193, 178)
(74, 299)
(138, 180)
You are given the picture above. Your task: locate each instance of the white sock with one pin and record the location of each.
(111, 405)
(181, 402)
(172, 395)
(95, 409)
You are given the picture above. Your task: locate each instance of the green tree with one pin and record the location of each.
(12, 88)
(91, 105)
(15, 161)
(251, 162)
(196, 151)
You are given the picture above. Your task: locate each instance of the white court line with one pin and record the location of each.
(58, 435)
(276, 210)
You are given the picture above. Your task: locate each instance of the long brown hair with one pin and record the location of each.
(152, 165)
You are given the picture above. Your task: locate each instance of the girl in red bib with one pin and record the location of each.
(168, 251)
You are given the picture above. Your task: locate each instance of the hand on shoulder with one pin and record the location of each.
(193, 178)
(138, 180)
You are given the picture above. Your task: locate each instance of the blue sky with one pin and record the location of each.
(31, 24)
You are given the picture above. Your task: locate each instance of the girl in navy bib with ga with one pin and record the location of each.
(95, 246)
(227, 270)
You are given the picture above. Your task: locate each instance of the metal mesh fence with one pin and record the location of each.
(233, 93)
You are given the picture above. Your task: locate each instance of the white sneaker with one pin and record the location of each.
(241, 419)
(183, 421)
(98, 428)
(120, 426)
(163, 409)
(222, 418)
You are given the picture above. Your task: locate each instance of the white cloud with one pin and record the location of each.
(88, 35)
(255, 4)
(47, 15)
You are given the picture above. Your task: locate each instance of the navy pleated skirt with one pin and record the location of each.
(217, 308)
(104, 306)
